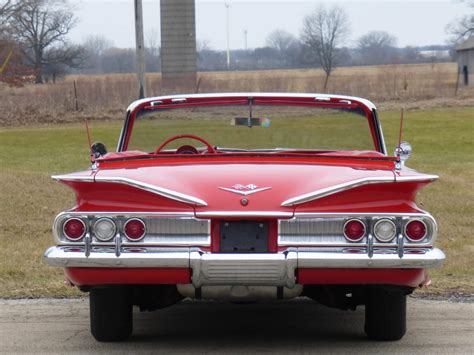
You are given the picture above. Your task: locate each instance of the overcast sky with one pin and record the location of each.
(419, 22)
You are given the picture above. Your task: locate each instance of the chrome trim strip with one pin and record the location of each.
(316, 96)
(193, 258)
(71, 177)
(174, 195)
(317, 194)
(423, 177)
(361, 214)
(276, 214)
(127, 214)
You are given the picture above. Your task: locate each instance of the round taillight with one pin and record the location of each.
(415, 230)
(104, 229)
(134, 229)
(74, 229)
(385, 230)
(354, 230)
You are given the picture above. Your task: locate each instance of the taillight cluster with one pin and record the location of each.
(385, 230)
(104, 229)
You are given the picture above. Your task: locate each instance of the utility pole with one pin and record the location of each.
(245, 39)
(140, 49)
(227, 6)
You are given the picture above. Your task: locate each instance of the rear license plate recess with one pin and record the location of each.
(244, 237)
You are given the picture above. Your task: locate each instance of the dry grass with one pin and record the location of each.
(104, 97)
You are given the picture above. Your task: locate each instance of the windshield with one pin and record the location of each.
(254, 127)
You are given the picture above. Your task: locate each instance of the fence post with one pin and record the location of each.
(75, 96)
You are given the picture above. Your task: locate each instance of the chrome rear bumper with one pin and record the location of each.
(273, 269)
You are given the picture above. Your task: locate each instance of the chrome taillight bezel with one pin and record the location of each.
(68, 237)
(364, 234)
(405, 234)
(131, 220)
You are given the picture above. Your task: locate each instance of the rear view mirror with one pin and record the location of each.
(251, 121)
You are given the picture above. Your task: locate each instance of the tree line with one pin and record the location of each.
(34, 44)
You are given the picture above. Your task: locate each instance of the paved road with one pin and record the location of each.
(58, 326)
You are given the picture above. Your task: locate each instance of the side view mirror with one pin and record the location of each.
(98, 149)
(404, 150)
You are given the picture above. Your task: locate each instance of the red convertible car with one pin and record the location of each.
(245, 197)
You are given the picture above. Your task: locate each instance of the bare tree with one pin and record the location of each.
(462, 27)
(96, 45)
(280, 40)
(57, 59)
(323, 31)
(153, 42)
(42, 26)
(376, 47)
(284, 43)
(94, 48)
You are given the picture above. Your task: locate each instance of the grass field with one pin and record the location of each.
(442, 139)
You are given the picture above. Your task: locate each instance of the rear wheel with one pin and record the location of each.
(385, 314)
(110, 313)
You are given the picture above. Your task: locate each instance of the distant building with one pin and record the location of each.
(435, 54)
(465, 55)
(178, 45)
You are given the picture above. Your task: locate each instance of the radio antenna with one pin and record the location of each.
(399, 147)
(89, 141)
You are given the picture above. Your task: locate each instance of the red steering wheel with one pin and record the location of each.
(210, 148)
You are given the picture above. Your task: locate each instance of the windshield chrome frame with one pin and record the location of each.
(280, 99)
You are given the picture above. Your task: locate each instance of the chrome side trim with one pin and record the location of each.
(314, 195)
(424, 177)
(71, 177)
(127, 214)
(174, 195)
